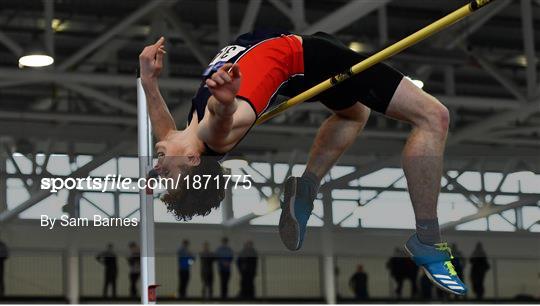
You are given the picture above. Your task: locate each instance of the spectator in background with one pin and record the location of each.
(359, 284)
(207, 271)
(411, 274)
(185, 260)
(403, 268)
(247, 266)
(108, 259)
(479, 268)
(395, 266)
(224, 257)
(458, 261)
(4, 254)
(134, 262)
(426, 287)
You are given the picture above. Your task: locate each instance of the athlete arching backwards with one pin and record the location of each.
(240, 84)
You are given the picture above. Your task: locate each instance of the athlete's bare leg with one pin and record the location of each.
(334, 137)
(423, 153)
(423, 166)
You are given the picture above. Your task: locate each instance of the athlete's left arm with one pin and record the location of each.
(227, 118)
(151, 64)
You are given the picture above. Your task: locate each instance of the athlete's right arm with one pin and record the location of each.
(226, 120)
(151, 63)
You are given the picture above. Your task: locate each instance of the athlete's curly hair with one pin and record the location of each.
(187, 201)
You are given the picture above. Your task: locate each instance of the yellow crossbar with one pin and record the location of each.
(390, 51)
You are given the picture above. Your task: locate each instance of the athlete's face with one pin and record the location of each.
(173, 159)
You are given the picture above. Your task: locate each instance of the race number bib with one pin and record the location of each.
(224, 56)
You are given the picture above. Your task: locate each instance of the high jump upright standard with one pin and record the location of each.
(148, 272)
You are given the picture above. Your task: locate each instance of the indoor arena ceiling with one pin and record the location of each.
(484, 69)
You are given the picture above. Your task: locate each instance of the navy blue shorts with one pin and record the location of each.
(326, 56)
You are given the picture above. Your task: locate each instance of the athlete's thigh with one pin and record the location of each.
(410, 103)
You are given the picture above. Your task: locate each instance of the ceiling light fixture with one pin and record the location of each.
(36, 60)
(35, 56)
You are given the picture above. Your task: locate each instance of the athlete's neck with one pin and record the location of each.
(191, 137)
(191, 133)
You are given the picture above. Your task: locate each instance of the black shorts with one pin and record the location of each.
(326, 56)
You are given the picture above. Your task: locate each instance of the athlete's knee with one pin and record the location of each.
(363, 115)
(436, 116)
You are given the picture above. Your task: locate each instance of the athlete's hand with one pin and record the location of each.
(225, 83)
(151, 60)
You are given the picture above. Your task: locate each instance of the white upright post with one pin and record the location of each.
(148, 272)
(72, 273)
(329, 266)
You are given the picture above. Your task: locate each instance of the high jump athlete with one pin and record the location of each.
(241, 83)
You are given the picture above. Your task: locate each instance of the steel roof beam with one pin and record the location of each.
(118, 28)
(346, 15)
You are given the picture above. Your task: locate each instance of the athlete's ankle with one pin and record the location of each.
(313, 182)
(428, 231)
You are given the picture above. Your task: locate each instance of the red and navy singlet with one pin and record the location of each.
(267, 60)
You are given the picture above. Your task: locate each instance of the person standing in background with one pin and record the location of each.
(458, 261)
(224, 257)
(247, 266)
(479, 268)
(185, 260)
(207, 271)
(401, 269)
(395, 267)
(411, 273)
(4, 254)
(108, 259)
(426, 287)
(134, 262)
(359, 284)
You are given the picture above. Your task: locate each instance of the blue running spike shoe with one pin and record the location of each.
(436, 262)
(296, 209)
